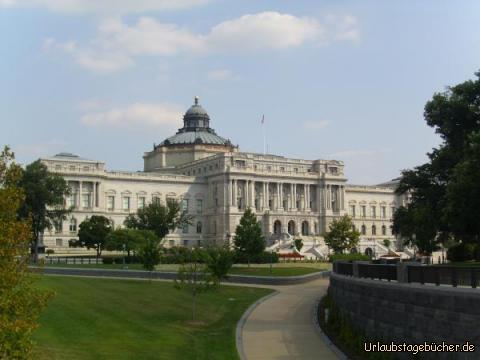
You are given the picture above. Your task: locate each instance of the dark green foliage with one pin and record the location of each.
(461, 252)
(176, 255)
(348, 257)
(341, 235)
(108, 260)
(248, 239)
(159, 218)
(298, 243)
(131, 238)
(387, 243)
(92, 233)
(44, 200)
(149, 252)
(264, 257)
(218, 261)
(446, 191)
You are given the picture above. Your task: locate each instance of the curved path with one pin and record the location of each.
(283, 326)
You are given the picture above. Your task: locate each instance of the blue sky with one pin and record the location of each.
(343, 80)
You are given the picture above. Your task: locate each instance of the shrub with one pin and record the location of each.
(107, 260)
(264, 257)
(348, 257)
(461, 252)
(218, 261)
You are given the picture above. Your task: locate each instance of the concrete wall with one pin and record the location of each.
(399, 312)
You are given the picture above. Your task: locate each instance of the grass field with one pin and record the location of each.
(278, 269)
(126, 319)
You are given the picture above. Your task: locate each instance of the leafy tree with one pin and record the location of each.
(218, 261)
(248, 239)
(444, 192)
(341, 235)
(44, 200)
(150, 251)
(20, 299)
(195, 278)
(161, 219)
(132, 239)
(93, 232)
(387, 243)
(298, 243)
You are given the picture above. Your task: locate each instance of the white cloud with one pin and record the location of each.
(117, 44)
(266, 30)
(136, 116)
(316, 125)
(219, 74)
(105, 6)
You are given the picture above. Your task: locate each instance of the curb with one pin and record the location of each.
(243, 319)
(324, 336)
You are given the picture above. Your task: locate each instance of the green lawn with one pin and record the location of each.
(127, 319)
(279, 269)
(276, 271)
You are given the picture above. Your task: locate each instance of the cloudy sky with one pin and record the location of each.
(341, 80)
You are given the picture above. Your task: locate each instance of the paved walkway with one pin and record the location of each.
(282, 327)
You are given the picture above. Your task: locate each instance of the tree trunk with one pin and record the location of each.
(194, 298)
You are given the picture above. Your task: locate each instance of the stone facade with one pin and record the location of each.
(216, 183)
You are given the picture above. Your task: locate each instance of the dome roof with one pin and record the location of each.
(196, 129)
(196, 137)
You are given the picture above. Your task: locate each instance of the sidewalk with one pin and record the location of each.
(283, 327)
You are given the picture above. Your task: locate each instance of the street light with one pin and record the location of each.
(123, 253)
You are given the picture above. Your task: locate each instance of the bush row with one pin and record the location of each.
(464, 252)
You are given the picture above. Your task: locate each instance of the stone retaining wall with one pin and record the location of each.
(398, 312)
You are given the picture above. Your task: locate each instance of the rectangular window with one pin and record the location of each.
(199, 206)
(141, 202)
(85, 200)
(393, 210)
(73, 226)
(126, 203)
(71, 200)
(156, 199)
(185, 229)
(58, 227)
(58, 242)
(363, 211)
(373, 211)
(184, 205)
(352, 210)
(185, 242)
(383, 212)
(110, 203)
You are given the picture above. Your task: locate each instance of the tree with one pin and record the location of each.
(194, 277)
(44, 200)
(149, 251)
(298, 243)
(93, 232)
(444, 192)
(129, 240)
(387, 243)
(248, 238)
(159, 218)
(341, 235)
(218, 261)
(20, 299)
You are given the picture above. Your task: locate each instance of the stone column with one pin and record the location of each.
(80, 191)
(307, 196)
(229, 193)
(235, 192)
(94, 200)
(295, 196)
(280, 196)
(267, 196)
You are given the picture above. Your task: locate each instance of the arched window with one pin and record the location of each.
(364, 230)
(199, 227)
(384, 230)
(374, 230)
(369, 252)
(291, 227)
(305, 228)
(277, 227)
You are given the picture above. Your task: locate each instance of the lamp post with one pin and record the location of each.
(123, 253)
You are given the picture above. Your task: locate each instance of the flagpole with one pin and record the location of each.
(264, 136)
